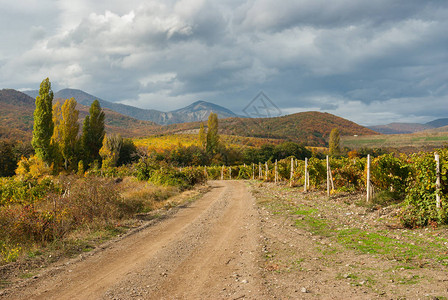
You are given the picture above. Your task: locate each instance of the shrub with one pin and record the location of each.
(26, 191)
(184, 179)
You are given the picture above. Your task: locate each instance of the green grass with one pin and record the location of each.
(430, 138)
(314, 225)
(305, 211)
(362, 142)
(376, 243)
(27, 275)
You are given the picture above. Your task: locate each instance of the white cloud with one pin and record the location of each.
(364, 60)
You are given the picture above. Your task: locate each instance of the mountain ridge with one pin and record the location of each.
(181, 115)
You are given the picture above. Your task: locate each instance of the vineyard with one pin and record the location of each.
(408, 181)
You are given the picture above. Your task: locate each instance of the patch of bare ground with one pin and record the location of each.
(317, 247)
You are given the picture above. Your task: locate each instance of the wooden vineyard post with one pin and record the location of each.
(230, 172)
(328, 176)
(437, 158)
(205, 172)
(368, 178)
(276, 172)
(222, 172)
(260, 174)
(253, 171)
(292, 172)
(266, 175)
(306, 176)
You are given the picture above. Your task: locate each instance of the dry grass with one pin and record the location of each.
(146, 195)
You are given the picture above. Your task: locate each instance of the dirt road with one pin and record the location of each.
(276, 243)
(207, 250)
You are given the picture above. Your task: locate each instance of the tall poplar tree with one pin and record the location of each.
(56, 139)
(43, 123)
(212, 134)
(70, 129)
(334, 142)
(93, 132)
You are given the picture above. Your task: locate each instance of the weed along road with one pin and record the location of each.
(207, 250)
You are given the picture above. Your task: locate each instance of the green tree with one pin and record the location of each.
(128, 153)
(202, 136)
(212, 134)
(70, 129)
(56, 138)
(43, 123)
(8, 160)
(93, 133)
(110, 151)
(57, 119)
(334, 143)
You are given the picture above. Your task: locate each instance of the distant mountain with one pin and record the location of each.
(309, 128)
(403, 128)
(198, 111)
(16, 118)
(32, 93)
(438, 123)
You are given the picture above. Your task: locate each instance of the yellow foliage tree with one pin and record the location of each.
(32, 167)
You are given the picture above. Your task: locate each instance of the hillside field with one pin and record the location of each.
(423, 140)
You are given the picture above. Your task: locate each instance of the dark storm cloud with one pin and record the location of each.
(370, 61)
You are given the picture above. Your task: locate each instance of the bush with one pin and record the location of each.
(26, 191)
(184, 179)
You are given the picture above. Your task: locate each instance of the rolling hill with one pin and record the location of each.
(309, 128)
(16, 115)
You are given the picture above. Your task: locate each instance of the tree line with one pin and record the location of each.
(60, 145)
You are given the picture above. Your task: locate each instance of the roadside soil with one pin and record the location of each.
(317, 247)
(207, 250)
(251, 240)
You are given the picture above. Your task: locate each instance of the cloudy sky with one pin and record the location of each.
(372, 62)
